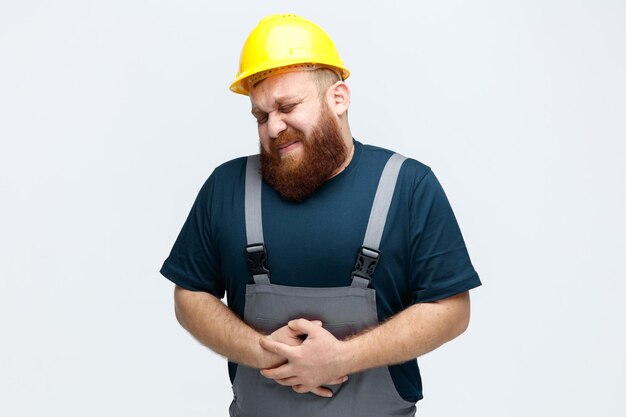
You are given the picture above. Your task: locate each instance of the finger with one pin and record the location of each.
(282, 372)
(276, 347)
(295, 332)
(303, 325)
(322, 392)
(289, 382)
(286, 335)
(339, 380)
(300, 389)
(317, 322)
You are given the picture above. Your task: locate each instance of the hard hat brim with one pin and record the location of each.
(242, 83)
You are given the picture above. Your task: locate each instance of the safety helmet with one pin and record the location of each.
(282, 43)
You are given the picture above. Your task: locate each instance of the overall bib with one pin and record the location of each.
(343, 311)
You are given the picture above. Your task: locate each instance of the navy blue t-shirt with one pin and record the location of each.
(314, 243)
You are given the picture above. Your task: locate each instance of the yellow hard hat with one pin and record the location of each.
(281, 43)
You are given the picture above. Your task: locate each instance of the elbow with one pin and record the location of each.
(462, 324)
(179, 316)
(179, 300)
(462, 314)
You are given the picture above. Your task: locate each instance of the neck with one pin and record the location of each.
(346, 162)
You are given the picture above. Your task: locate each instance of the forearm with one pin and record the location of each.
(413, 332)
(214, 325)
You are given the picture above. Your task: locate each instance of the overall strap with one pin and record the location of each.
(255, 249)
(368, 255)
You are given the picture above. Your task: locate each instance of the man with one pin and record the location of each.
(308, 331)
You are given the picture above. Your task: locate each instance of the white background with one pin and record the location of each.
(113, 113)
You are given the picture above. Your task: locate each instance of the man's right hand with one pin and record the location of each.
(291, 337)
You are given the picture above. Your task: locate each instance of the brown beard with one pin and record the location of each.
(297, 177)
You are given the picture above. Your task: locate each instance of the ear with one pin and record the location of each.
(338, 97)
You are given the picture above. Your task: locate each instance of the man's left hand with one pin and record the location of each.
(316, 362)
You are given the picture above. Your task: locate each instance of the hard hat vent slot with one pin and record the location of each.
(253, 79)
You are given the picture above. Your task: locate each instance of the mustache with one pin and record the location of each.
(286, 137)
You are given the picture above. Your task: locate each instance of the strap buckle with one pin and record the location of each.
(257, 260)
(366, 262)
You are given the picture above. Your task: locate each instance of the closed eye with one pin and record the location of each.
(261, 117)
(288, 108)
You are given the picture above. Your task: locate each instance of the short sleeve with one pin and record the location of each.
(193, 261)
(441, 265)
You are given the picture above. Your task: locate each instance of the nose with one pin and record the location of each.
(275, 125)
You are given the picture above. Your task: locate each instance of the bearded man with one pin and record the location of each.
(341, 262)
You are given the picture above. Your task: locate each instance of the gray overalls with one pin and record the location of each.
(342, 310)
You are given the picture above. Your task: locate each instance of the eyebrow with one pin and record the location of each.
(281, 101)
(257, 113)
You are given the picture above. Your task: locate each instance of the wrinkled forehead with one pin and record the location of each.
(289, 84)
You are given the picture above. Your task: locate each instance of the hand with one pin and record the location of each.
(311, 364)
(289, 336)
(284, 335)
